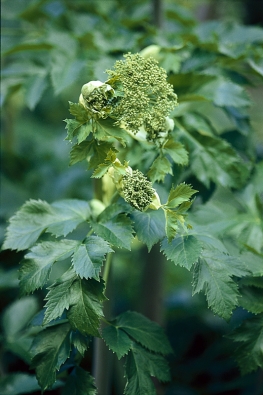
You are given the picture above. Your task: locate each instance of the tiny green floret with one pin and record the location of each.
(137, 190)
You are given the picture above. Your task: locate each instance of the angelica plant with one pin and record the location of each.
(131, 108)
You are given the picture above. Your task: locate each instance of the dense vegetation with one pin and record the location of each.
(163, 201)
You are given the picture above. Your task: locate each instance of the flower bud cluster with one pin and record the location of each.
(137, 190)
(96, 97)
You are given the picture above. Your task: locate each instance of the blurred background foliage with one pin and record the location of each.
(49, 50)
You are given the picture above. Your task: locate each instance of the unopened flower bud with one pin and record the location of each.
(96, 97)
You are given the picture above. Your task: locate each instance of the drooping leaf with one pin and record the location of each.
(159, 169)
(114, 227)
(36, 267)
(144, 331)
(79, 382)
(213, 274)
(50, 349)
(36, 216)
(140, 366)
(117, 340)
(149, 226)
(249, 337)
(85, 312)
(184, 250)
(89, 256)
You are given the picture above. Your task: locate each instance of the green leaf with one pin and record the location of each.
(117, 340)
(176, 151)
(35, 87)
(50, 349)
(213, 273)
(64, 70)
(149, 226)
(224, 93)
(79, 112)
(213, 159)
(99, 152)
(18, 383)
(68, 215)
(249, 353)
(27, 225)
(114, 227)
(80, 152)
(79, 382)
(184, 250)
(251, 299)
(181, 193)
(89, 256)
(107, 129)
(104, 167)
(140, 366)
(197, 122)
(159, 169)
(80, 341)
(85, 311)
(59, 296)
(171, 224)
(36, 267)
(17, 316)
(36, 216)
(149, 334)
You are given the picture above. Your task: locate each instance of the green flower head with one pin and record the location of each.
(137, 190)
(144, 97)
(96, 97)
